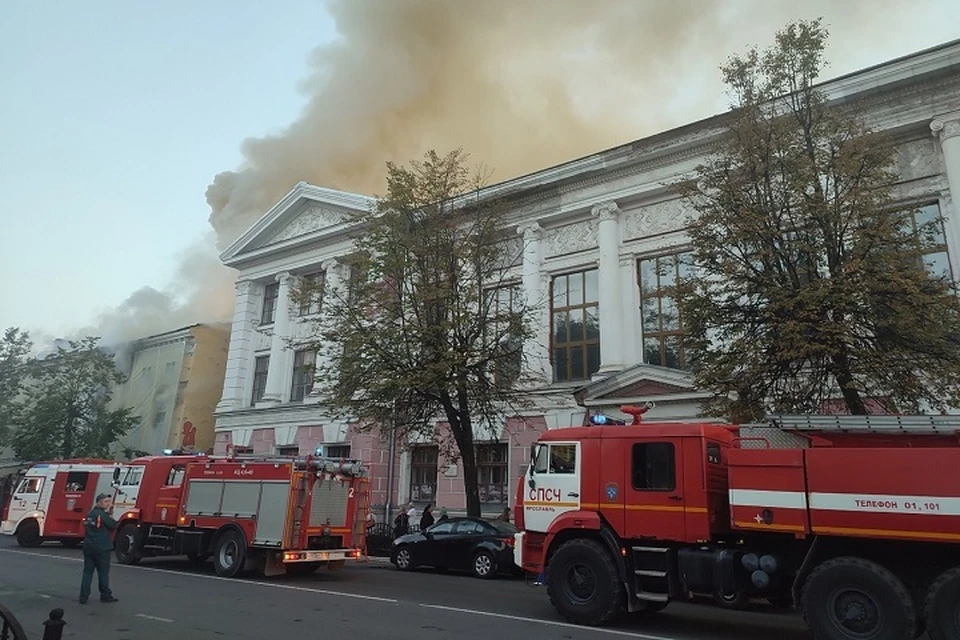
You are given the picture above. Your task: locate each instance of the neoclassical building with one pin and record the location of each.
(602, 241)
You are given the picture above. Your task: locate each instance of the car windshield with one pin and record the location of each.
(503, 527)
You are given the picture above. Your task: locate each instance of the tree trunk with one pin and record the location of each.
(462, 428)
(841, 371)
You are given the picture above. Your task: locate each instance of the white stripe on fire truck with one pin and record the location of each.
(856, 502)
(756, 498)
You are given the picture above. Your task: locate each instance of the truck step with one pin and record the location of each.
(652, 597)
(156, 547)
(647, 573)
(652, 549)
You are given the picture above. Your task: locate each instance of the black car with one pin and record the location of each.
(482, 547)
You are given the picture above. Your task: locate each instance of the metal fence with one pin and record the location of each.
(380, 538)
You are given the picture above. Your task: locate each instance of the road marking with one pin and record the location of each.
(552, 623)
(158, 619)
(261, 583)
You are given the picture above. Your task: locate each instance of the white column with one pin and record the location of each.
(611, 310)
(334, 283)
(630, 308)
(240, 352)
(280, 354)
(947, 129)
(537, 349)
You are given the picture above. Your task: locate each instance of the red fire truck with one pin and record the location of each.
(278, 515)
(855, 520)
(51, 499)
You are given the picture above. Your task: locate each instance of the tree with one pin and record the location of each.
(809, 279)
(66, 414)
(428, 329)
(14, 351)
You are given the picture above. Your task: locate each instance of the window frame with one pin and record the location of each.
(501, 466)
(284, 450)
(313, 286)
(268, 307)
(259, 376)
(424, 467)
(589, 347)
(303, 374)
(659, 293)
(633, 466)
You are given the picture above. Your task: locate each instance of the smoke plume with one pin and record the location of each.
(519, 85)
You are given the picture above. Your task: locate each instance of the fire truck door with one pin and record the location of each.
(552, 484)
(167, 507)
(72, 498)
(654, 491)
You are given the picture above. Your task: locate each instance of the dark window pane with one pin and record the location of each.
(560, 328)
(575, 295)
(651, 351)
(560, 291)
(560, 365)
(576, 325)
(650, 314)
(654, 467)
(593, 359)
(576, 363)
(671, 352)
(592, 323)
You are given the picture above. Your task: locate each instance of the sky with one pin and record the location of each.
(117, 117)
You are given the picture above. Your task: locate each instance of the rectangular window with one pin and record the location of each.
(311, 293)
(175, 477)
(337, 451)
(661, 321)
(29, 485)
(240, 450)
(575, 325)
(423, 473)
(304, 368)
(132, 477)
(492, 472)
(654, 467)
(713, 453)
(928, 229)
(502, 306)
(260, 368)
(556, 458)
(269, 311)
(77, 481)
(291, 451)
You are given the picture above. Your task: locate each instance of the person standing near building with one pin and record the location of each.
(97, 547)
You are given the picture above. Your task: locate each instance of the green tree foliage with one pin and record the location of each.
(810, 282)
(65, 414)
(14, 351)
(424, 333)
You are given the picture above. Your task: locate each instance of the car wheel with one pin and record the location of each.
(403, 559)
(28, 534)
(229, 554)
(484, 565)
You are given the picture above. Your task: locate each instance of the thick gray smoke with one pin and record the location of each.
(520, 85)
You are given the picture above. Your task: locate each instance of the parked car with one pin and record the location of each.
(482, 547)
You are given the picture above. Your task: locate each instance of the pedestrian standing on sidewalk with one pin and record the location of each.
(401, 524)
(443, 515)
(97, 546)
(426, 520)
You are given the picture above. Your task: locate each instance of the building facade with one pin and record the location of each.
(174, 381)
(602, 241)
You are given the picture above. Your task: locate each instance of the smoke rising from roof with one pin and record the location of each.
(519, 85)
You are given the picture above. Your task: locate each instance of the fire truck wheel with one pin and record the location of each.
(583, 583)
(852, 598)
(484, 565)
(28, 534)
(229, 554)
(126, 546)
(942, 608)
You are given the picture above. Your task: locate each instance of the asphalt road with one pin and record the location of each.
(165, 599)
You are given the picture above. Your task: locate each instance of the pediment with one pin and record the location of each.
(637, 382)
(307, 212)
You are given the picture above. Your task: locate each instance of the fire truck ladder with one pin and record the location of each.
(360, 518)
(913, 425)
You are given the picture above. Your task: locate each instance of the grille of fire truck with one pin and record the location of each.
(329, 505)
(916, 424)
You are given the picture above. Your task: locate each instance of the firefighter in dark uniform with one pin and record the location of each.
(97, 546)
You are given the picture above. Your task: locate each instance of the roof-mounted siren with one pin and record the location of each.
(636, 412)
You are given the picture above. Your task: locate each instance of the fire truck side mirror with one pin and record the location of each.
(116, 476)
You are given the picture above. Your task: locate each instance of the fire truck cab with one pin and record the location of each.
(853, 519)
(51, 499)
(279, 514)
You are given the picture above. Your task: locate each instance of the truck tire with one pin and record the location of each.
(942, 607)
(126, 545)
(852, 598)
(229, 554)
(28, 534)
(583, 583)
